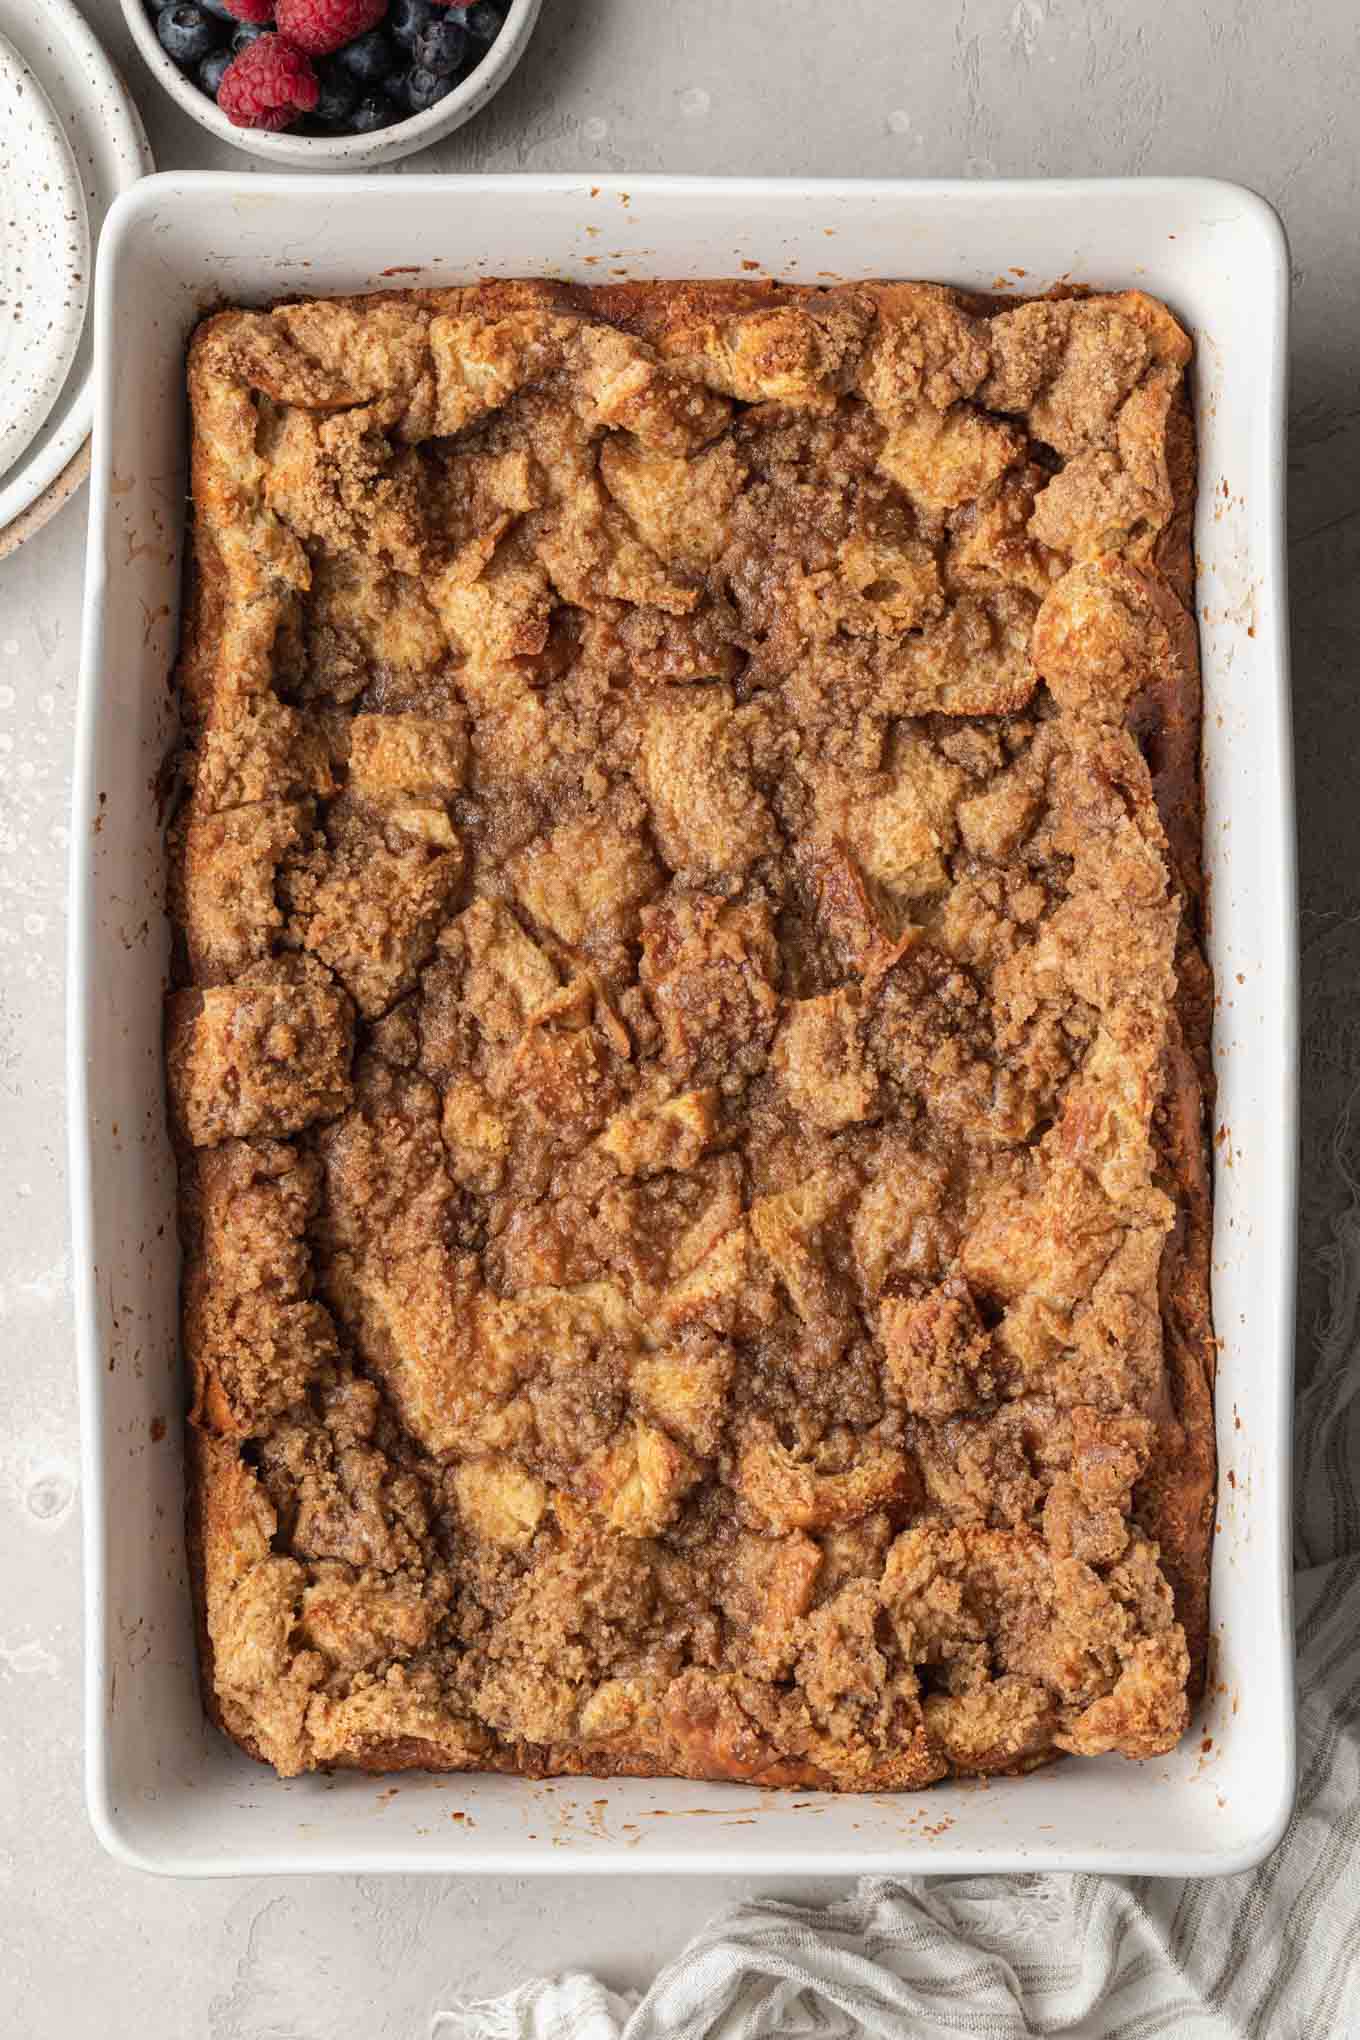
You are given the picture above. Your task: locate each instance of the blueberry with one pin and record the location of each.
(186, 32)
(372, 113)
(485, 20)
(406, 19)
(338, 95)
(247, 32)
(441, 48)
(423, 88)
(219, 9)
(211, 69)
(369, 58)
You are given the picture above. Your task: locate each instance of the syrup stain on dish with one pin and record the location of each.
(44, 256)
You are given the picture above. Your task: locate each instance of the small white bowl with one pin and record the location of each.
(343, 152)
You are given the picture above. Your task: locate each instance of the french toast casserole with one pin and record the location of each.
(689, 1040)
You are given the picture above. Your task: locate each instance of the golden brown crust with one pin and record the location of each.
(691, 1038)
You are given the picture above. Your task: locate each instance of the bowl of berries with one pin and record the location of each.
(331, 84)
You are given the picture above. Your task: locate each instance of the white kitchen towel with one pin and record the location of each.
(1271, 1955)
(1274, 1954)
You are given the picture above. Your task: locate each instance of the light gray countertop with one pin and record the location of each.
(1262, 91)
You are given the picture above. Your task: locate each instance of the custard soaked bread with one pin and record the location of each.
(690, 1033)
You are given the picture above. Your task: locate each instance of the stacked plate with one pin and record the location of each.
(70, 141)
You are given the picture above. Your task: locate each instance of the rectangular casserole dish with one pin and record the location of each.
(165, 1791)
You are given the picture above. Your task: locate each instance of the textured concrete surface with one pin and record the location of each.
(1259, 90)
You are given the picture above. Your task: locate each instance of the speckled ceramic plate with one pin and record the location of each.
(44, 256)
(102, 128)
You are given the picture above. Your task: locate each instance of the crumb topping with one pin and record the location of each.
(688, 1100)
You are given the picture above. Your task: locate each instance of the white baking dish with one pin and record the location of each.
(165, 1791)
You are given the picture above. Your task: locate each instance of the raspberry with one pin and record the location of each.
(320, 26)
(256, 11)
(268, 85)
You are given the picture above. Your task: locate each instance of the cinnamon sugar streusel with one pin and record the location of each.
(690, 1032)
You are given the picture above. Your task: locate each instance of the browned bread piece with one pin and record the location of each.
(691, 1040)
